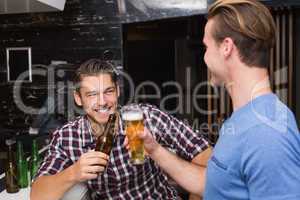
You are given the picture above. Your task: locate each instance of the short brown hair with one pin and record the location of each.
(251, 26)
(94, 67)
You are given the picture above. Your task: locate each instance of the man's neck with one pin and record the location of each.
(97, 129)
(246, 84)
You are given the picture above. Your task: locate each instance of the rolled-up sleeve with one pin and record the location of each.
(55, 159)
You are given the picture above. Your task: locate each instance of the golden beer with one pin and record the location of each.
(134, 124)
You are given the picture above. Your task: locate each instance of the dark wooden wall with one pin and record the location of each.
(85, 29)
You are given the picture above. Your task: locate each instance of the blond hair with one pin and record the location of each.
(249, 24)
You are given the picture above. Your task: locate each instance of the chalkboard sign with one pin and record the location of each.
(18, 61)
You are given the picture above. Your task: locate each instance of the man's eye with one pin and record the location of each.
(91, 94)
(109, 91)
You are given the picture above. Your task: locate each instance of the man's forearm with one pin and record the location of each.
(52, 187)
(188, 175)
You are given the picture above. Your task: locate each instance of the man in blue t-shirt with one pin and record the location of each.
(257, 155)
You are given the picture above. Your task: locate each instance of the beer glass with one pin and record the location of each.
(134, 124)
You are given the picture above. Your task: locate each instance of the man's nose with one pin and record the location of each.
(101, 100)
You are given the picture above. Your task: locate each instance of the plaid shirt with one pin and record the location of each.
(121, 180)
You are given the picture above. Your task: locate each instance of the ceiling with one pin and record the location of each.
(25, 6)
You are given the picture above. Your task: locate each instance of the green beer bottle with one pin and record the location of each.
(11, 182)
(35, 159)
(22, 166)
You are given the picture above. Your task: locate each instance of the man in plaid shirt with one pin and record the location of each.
(172, 147)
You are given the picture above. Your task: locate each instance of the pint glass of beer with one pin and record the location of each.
(134, 124)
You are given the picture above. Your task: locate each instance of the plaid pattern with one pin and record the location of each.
(121, 180)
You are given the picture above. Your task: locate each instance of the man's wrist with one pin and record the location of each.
(156, 152)
(71, 174)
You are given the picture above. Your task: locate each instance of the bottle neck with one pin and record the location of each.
(20, 152)
(34, 152)
(10, 156)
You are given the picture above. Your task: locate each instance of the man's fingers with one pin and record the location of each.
(95, 161)
(126, 143)
(96, 154)
(92, 176)
(142, 135)
(89, 176)
(146, 135)
(94, 169)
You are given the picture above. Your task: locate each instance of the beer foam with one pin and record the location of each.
(132, 116)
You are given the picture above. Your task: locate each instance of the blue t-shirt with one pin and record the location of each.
(257, 155)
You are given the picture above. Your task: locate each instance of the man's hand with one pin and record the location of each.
(150, 143)
(89, 166)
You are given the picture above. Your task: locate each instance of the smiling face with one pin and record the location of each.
(98, 96)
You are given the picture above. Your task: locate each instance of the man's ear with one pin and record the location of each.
(77, 98)
(227, 47)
